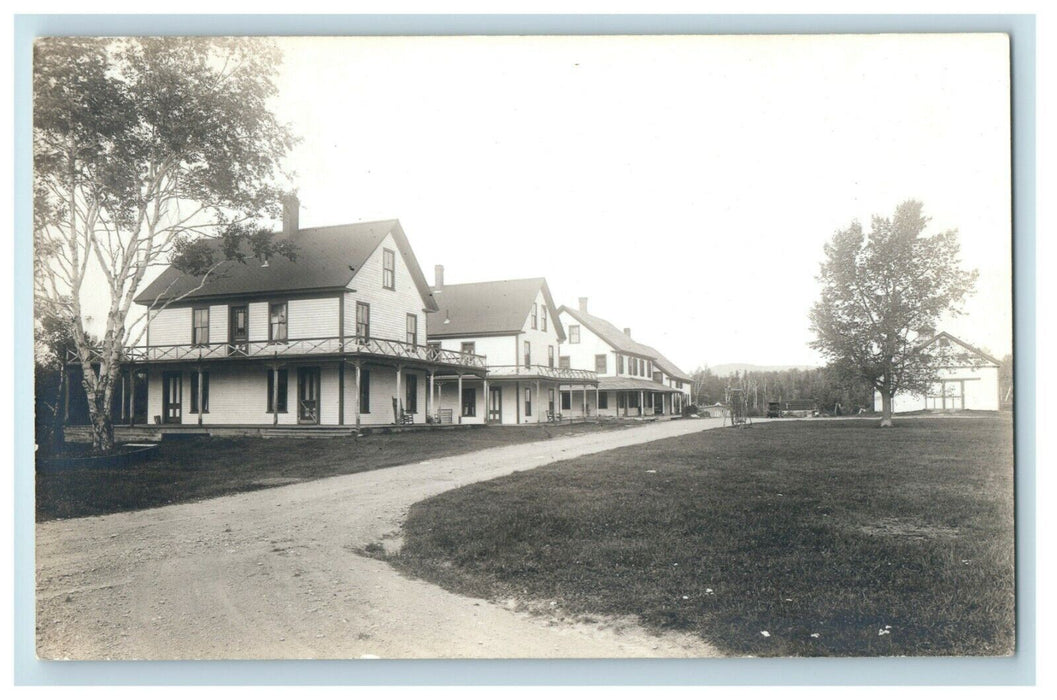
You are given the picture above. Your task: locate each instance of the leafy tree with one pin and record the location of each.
(142, 146)
(882, 298)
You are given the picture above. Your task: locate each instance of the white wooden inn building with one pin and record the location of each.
(347, 334)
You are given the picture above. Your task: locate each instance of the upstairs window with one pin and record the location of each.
(412, 330)
(620, 364)
(543, 319)
(388, 269)
(528, 354)
(363, 320)
(535, 316)
(469, 348)
(574, 334)
(563, 362)
(200, 326)
(600, 364)
(277, 322)
(550, 354)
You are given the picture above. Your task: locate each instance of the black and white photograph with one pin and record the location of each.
(523, 347)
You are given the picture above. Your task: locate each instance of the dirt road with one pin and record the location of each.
(277, 574)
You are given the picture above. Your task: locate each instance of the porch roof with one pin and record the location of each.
(630, 384)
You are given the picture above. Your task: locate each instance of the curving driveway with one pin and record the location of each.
(277, 574)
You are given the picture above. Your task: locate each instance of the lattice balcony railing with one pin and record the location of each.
(299, 347)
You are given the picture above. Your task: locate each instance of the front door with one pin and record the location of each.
(239, 330)
(172, 397)
(308, 395)
(495, 404)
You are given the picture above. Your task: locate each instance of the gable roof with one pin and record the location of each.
(327, 258)
(970, 348)
(668, 367)
(605, 330)
(487, 308)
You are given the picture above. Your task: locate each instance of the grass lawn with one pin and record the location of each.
(202, 467)
(814, 538)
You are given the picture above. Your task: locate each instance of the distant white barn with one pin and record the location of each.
(970, 382)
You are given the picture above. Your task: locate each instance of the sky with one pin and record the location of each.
(685, 185)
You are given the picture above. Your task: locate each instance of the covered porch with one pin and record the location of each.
(625, 398)
(299, 384)
(508, 395)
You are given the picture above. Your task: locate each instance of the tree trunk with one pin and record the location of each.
(886, 409)
(99, 412)
(102, 430)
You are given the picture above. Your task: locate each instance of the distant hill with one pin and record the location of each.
(731, 368)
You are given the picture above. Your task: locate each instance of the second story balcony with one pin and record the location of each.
(304, 348)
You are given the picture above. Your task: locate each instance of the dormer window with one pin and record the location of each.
(388, 269)
(574, 335)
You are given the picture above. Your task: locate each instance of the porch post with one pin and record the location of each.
(201, 403)
(485, 398)
(517, 402)
(584, 402)
(341, 391)
(356, 402)
(275, 394)
(642, 404)
(459, 398)
(539, 402)
(598, 413)
(429, 397)
(399, 395)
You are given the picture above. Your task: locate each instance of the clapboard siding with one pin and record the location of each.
(171, 326)
(389, 307)
(313, 318)
(218, 323)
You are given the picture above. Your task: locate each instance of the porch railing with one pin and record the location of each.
(297, 347)
(543, 372)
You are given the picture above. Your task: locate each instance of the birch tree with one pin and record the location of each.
(883, 295)
(142, 147)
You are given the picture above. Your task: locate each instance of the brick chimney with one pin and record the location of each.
(627, 332)
(583, 304)
(438, 276)
(291, 214)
